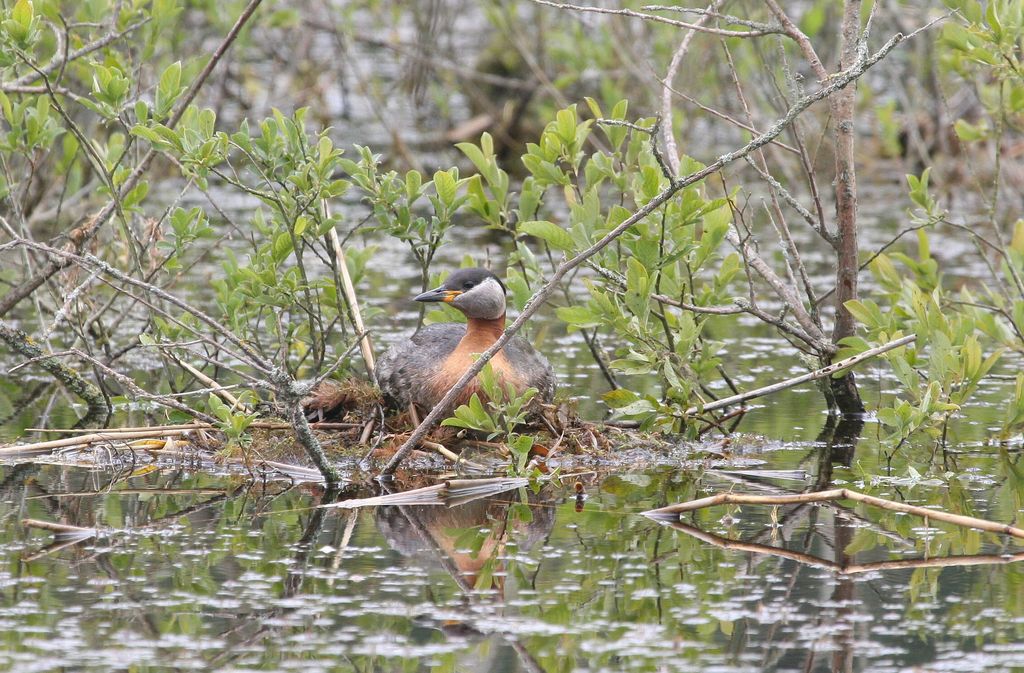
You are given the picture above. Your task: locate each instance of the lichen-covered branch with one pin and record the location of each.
(24, 345)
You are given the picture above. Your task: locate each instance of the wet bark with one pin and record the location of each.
(845, 397)
(312, 445)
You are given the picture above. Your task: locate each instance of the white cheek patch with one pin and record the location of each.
(488, 298)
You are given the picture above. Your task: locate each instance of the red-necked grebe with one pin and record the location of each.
(421, 370)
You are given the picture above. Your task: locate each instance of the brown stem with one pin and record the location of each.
(844, 390)
(843, 393)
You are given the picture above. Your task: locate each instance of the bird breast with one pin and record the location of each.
(461, 359)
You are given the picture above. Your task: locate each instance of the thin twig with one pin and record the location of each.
(699, 27)
(833, 368)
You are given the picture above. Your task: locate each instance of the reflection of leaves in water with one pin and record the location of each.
(580, 588)
(912, 479)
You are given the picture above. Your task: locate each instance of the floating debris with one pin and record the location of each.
(451, 493)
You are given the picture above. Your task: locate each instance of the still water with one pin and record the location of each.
(200, 571)
(204, 570)
(196, 569)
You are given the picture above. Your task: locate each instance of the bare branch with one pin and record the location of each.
(666, 90)
(699, 27)
(712, 14)
(61, 58)
(834, 368)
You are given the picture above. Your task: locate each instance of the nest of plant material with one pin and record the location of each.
(351, 400)
(354, 428)
(380, 432)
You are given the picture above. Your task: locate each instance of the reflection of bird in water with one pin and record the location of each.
(421, 370)
(440, 533)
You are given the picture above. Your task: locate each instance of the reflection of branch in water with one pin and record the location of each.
(292, 584)
(120, 535)
(450, 493)
(25, 401)
(834, 445)
(346, 537)
(790, 521)
(64, 535)
(672, 511)
(843, 646)
(845, 568)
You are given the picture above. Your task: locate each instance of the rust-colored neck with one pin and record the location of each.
(481, 334)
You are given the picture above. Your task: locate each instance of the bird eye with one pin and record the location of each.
(467, 285)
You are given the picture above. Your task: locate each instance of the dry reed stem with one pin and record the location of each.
(262, 425)
(16, 449)
(217, 389)
(836, 494)
(365, 348)
(92, 436)
(131, 491)
(452, 456)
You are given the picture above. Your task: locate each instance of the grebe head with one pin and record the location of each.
(476, 292)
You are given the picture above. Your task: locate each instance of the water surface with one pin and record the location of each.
(195, 571)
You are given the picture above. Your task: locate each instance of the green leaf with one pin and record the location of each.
(578, 316)
(970, 132)
(866, 312)
(565, 124)
(148, 134)
(19, 26)
(549, 232)
(620, 398)
(446, 187)
(475, 155)
(168, 89)
(413, 185)
(23, 13)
